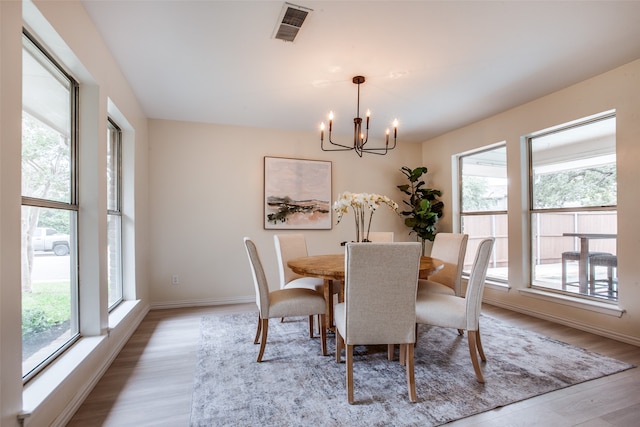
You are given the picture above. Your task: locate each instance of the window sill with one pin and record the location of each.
(69, 367)
(46, 382)
(595, 306)
(119, 313)
(497, 286)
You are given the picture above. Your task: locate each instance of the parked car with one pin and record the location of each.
(48, 239)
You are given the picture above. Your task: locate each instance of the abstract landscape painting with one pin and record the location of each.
(297, 194)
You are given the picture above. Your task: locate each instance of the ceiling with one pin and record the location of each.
(433, 65)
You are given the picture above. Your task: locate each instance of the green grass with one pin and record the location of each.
(48, 304)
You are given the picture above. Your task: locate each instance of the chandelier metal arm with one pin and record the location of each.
(345, 147)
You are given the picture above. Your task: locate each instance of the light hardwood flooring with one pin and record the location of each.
(150, 382)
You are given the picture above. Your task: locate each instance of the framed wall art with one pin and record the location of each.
(297, 194)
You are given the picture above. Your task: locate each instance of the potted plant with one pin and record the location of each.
(424, 209)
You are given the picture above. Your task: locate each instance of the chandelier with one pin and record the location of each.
(360, 138)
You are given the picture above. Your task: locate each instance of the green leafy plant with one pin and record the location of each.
(424, 208)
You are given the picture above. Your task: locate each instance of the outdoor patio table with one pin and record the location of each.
(583, 270)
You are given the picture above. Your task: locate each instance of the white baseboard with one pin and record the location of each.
(202, 302)
(567, 322)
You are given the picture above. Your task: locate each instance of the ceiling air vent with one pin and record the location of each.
(290, 21)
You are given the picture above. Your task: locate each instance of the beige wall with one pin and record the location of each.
(206, 192)
(618, 89)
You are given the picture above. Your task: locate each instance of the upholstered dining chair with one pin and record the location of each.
(379, 305)
(450, 248)
(282, 302)
(450, 311)
(381, 236)
(290, 246)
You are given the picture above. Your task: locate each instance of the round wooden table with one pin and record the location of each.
(331, 267)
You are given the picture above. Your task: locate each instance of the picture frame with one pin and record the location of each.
(297, 194)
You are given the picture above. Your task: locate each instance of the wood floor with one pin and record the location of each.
(150, 382)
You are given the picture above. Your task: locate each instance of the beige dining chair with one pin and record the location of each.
(381, 236)
(379, 306)
(450, 248)
(290, 246)
(282, 303)
(450, 311)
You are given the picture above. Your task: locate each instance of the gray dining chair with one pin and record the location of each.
(569, 256)
(379, 305)
(282, 302)
(463, 314)
(603, 260)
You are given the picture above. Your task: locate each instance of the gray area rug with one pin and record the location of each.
(296, 386)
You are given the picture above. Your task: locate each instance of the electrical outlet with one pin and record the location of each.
(175, 280)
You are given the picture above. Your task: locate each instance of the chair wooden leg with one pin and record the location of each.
(391, 349)
(263, 339)
(339, 345)
(403, 355)
(411, 380)
(474, 356)
(328, 301)
(255, 340)
(311, 326)
(349, 354)
(479, 345)
(323, 334)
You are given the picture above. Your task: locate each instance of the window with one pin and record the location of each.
(573, 213)
(49, 209)
(114, 213)
(483, 205)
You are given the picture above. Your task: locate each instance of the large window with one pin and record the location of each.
(483, 205)
(573, 214)
(114, 213)
(49, 209)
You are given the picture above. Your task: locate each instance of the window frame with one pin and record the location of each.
(116, 211)
(31, 43)
(532, 212)
(485, 213)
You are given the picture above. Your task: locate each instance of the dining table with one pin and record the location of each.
(583, 268)
(331, 268)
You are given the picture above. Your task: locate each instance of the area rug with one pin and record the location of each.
(296, 386)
